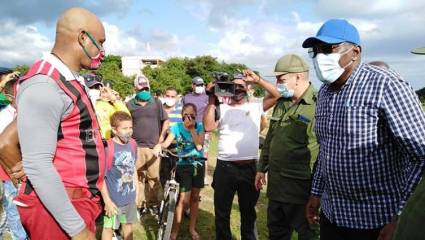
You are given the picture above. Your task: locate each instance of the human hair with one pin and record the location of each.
(171, 89)
(187, 105)
(118, 117)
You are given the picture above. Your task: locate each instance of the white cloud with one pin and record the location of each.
(367, 8)
(21, 44)
(258, 43)
(155, 43)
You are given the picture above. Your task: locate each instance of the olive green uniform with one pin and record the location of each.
(288, 155)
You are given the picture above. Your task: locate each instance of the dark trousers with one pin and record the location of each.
(284, 218)
(330, 231)
(230, 178)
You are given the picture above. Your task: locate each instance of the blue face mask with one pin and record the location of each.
(284, 90)
(143, 96)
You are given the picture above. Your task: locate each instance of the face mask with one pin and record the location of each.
(95, 60)
(327, 66)
(94, 95)
(170, 102)
(239, 95)
(4, 101)
(143, 96)
(199, 90)
(284, 90)
(125, 138)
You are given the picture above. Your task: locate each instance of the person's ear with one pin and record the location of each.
(356, 52)
(82, 37)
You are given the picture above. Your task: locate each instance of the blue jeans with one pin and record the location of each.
(12, 215)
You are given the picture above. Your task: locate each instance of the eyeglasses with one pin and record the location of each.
(323, 48)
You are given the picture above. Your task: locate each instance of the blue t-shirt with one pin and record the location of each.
(120, 177)
(185, 144)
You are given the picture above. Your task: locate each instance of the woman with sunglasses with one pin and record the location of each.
(190, 172)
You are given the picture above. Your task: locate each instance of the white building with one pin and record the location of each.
(132, 65)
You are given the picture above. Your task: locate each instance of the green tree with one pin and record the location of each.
(22, 68)
(175, 72)
(171, 73)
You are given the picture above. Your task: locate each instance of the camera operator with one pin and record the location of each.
(238, 125)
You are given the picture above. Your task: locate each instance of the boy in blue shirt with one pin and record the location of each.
(120, 189)
(190, 171)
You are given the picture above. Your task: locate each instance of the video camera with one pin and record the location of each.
(224, 86)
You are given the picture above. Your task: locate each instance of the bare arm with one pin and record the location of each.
(165, 126)
(110, 208)
(273, 94)
(168, 141)
(210, 124)
(198, 138)
(10, 155)
(270, 100)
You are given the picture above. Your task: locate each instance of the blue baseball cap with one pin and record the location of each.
(334, 31)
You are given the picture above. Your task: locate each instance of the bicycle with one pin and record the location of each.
(171, 193)
(169, 202)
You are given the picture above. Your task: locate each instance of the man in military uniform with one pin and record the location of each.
(289, 151)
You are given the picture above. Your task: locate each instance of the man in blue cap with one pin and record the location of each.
(371, 128)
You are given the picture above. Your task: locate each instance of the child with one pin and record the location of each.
(120, 189)
(190, 172)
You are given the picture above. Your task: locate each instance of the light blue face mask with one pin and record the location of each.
(284, 90)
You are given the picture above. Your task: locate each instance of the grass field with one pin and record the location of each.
(206, 227)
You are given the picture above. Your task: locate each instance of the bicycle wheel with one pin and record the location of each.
(167, 216)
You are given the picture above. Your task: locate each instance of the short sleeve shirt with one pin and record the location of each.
(120, 177)
(147, 122)
(184, 140)
(239, 131)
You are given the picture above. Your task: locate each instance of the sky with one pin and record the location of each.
(253, 32)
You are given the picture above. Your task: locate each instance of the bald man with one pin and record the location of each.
(61, 145)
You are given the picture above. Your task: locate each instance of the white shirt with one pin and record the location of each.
(239, 131)
(7, 115)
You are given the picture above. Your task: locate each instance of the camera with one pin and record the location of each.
(224, 86)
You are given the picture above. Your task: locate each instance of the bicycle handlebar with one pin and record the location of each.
(167, 153)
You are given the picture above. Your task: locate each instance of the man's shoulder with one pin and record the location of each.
(376, 75)
(37, 79)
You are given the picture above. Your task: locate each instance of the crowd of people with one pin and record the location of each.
(341, 163)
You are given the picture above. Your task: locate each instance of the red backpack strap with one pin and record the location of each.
(110, 154)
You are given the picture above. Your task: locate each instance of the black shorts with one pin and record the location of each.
(189, 176)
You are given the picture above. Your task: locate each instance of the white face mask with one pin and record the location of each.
(199, 90)
(327, 66)
(284, 90)
(170, 102)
